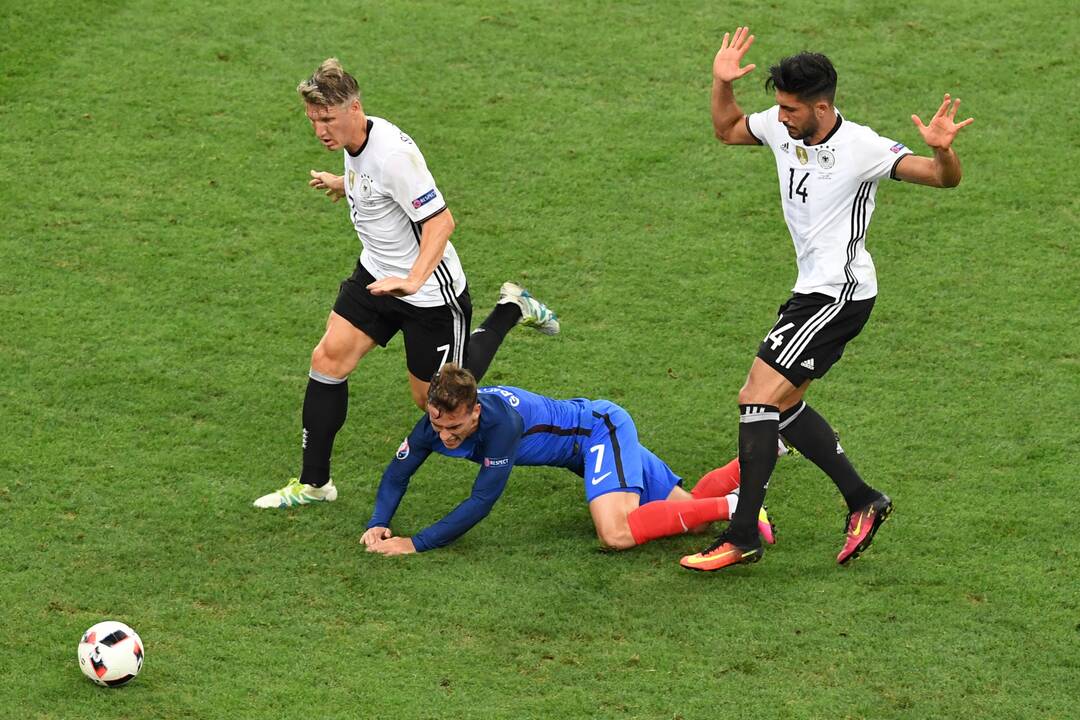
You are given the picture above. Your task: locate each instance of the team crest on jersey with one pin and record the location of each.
(800, 152)
(825, 158)
(364, 191)
(403, 450)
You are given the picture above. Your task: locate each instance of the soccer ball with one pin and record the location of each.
(110, 653)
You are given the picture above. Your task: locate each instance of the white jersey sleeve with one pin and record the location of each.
(877, 156)
(411, 185)
(763, 124)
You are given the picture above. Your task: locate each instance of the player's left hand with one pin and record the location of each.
(398, 287)
(393, 546)
(943, 127)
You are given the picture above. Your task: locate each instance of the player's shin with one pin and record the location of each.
(718, 482)
(811, 435)
(326, 404)
(486, 339)
(725, 480)
(672, 517)
(759, 431)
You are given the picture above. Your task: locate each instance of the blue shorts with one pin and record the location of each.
(614, 460)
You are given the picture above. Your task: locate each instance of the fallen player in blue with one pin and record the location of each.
(633, 496)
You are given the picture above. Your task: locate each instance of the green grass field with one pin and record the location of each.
(166, 272)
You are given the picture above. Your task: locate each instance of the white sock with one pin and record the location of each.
(732, 502)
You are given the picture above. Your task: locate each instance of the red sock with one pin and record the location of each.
(672, 517)
(718, 482)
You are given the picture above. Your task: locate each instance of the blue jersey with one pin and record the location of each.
(516, 427)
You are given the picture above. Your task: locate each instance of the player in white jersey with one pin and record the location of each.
(408, 277)
(829, 168)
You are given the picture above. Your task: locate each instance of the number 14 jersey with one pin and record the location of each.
(827, 191)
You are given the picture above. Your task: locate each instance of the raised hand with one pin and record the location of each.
(725, 66)
(941, 130)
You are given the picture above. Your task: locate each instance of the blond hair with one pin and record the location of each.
(329, 86)
(452, 387)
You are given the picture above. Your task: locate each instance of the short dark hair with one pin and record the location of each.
(451, 388)
(808, 76)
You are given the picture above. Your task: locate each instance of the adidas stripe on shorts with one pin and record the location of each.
(810, 334)
(433, 335)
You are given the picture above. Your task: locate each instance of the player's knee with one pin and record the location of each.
(616, 538)
(326, 362)
(747, 395)
(419, 397)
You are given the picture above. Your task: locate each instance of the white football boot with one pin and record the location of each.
(296, 493)
(534, 313)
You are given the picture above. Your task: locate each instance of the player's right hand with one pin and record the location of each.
(334, 185)
(375, 534)
(725, 66)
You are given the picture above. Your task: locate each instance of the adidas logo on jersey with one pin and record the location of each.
(808, 363)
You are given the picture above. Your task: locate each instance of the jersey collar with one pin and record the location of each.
(825, 139)
(367, 137)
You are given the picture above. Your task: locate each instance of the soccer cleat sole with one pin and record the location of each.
(548, 327)
(863, 546)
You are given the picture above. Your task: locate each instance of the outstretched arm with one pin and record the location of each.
(489, 485)
(728, 119)
(499, 450)
(395, 482)
(942, 170)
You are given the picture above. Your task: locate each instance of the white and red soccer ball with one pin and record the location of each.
(111, 653)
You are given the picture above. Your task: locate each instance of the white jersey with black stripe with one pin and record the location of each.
(391, 193)
(827, 191)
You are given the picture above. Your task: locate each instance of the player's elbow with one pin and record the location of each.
(730, 130)
(724, 135)
(948, 176)
(950, 182)
(482, 507)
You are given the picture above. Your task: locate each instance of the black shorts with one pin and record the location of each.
(810, 334)
(433, 335)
